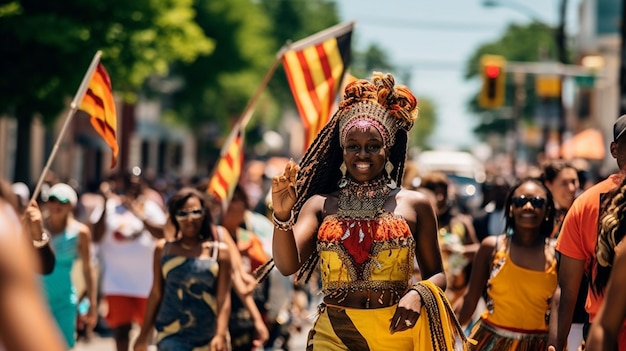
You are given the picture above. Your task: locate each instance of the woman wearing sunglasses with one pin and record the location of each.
(188, 304)
(518, 270)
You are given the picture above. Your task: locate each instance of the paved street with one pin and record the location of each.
(297, 343)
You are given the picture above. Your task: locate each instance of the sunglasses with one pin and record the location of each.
(521, 201)
(193, 214)
(54, 199)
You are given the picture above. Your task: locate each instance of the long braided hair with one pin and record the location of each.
(612, 229)
(319, 169)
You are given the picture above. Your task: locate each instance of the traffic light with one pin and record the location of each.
(492, 71)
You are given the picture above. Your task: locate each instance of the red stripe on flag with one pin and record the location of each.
(308, 79)
(99, 104)
(227, 171)
(314, 72)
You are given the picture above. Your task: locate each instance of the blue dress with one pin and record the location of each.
(60, 292)
(187, 316)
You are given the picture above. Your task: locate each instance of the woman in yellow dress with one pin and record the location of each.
(342, 211)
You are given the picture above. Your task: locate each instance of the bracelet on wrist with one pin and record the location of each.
(45, 238)
(284, 225)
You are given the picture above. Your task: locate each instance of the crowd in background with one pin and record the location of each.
(111, 239)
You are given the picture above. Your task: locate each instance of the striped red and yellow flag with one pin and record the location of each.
(98, 102)
(228, 169)
(315, 67)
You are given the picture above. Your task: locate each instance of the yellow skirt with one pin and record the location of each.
(338, 328)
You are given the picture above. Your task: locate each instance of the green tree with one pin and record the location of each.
(374, 58)
(218, 86)
(520, 43)
(425, 124)
(47, 46)
(294, 20)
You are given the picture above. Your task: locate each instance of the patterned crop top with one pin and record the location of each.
(365, 254)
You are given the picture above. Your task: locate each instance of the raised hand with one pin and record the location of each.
(284, 191)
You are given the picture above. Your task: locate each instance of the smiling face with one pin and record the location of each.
(190, 217)
(364, 153)
(529, 205)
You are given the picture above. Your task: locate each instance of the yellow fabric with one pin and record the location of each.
(521, 297)
(386, 264)
(442, 317)
(391, 266)
(368, 329)
(370, 324)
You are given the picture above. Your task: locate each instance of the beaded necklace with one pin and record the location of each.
(363, 200)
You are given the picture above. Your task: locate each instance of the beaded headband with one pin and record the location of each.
(362, 123)
(365, 114)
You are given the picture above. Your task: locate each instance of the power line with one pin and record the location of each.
(428, 25)
(433, 65)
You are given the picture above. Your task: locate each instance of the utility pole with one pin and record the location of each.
(622, 68)
(560, 39)
(519, 102)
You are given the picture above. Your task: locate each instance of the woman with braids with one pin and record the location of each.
(518, 270)
(342, 209)
(610, 278)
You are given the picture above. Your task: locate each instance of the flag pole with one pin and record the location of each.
(73, 107)
(246, 115)
(334, 31)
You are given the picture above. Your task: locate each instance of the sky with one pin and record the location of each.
(434, 40)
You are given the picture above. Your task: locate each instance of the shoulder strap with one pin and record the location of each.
(166, 248)
(497, 249)
(218, 240)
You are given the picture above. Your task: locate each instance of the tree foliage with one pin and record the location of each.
(374, 58)
(47, 46)
(294, 20)
(218, 86)
(425, 124)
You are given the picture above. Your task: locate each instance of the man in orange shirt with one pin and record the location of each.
(577, 245)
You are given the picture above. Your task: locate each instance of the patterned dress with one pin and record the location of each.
(187, 316)
(371, 254)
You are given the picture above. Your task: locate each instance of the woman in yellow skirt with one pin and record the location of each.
(342, 211)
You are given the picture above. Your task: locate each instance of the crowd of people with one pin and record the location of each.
(385, 255)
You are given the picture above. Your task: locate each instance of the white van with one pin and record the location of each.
(465, 172)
